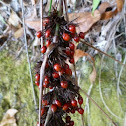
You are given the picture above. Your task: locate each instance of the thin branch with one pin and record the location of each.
(103, 53)
(28, 60)
(98, 106)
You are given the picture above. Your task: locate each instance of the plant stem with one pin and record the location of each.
(102, 52)
(97, 106)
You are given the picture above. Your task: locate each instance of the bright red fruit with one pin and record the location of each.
(72, 60)
(42, 111)
(45, 21)
(62, 71)
(47, 33)
(68, 71)
(71, 53)
(37, 83)
(72, 28)
(66, 66)
(64, 84)
(76, 38)
(71, 123)
(67, 51)
(46, 80)
(47, 65)
(66, 36)
(50, 87)
(72, 46)
(58, 103)
(55, 75)
(81, 35)
(37, 77)
(80, 110)
(68, 118)
(65, 107)
(74, 103)
(57, 67)
(43, 49)
(48, 42)
(73, 111)
(44, 102)
(39, 34)
(45, 85)
(80, 100)
(54, 107)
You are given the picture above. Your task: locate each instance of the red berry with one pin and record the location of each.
(73, 111)
(46, 80)
(72, 46)
(47, 65)
(68, 71)
(42, 111)
(43, 49)
(37, 83)
(50, 87)
(66, 66)
(64, 84)
(76, 38)
(37, 77)
(72, 53)
(45, 21)
(58, 103)
(57, 67)
(68, 118)
(74, 103)
(39, 34)
(53, 107)
(66, 37)
(67, 51)
(65, 107)
(72, 60)
(55, 75)
(48, 42)
(81, 35)
(80, 100)
(71, 123)
(72, 28)
(45, 85)
(47, 33)
(80, 110)
(44, 102)
(62, 71)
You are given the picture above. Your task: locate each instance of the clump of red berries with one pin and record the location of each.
(64, 95)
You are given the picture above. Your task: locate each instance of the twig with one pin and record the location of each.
(97, 106)
(28, 60)
(103, 53)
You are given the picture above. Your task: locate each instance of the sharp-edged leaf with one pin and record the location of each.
(95, 5)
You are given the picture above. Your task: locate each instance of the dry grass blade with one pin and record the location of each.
(42, 71)
(98, 106)
(103, 53)
(28, 55)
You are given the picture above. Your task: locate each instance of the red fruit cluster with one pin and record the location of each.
(64, 97)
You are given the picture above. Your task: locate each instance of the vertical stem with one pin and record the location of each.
(50, 7)
(28, 60)
(41, 19)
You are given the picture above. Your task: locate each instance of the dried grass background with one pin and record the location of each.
(105, 82)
